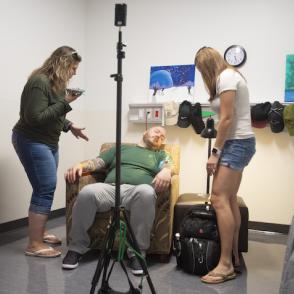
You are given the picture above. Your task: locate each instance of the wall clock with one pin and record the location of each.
(235, 55)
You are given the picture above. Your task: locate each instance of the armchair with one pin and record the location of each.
(161, 235)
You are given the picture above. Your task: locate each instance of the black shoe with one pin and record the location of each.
(135, 265)
(196, 118)
(184, 114)
(71, 260)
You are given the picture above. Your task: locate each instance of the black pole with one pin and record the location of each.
(208, 176)
(105, 255)
(118, 78)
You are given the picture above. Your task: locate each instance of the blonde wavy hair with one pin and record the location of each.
(57, 67)
(210, 64)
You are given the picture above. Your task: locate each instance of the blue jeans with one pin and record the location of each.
(236, 154)
(40, 163)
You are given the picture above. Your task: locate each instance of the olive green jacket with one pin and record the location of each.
(42, 112)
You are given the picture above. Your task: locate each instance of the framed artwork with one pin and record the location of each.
(289, 83)
(171, 83)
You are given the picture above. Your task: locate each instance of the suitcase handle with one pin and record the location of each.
(204, 211)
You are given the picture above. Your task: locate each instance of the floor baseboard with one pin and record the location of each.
(19, 223)
(270, 227)
(259, 226)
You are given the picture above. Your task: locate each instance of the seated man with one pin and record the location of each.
(145, 170)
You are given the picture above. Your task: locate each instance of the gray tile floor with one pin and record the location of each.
(20, 274)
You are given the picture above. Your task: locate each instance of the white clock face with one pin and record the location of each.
(235, 55)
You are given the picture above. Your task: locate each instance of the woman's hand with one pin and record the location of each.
(71, 97)
(77, 132)
(211, 165)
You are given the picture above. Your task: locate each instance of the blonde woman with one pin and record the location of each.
(43, 107)
(233, 149)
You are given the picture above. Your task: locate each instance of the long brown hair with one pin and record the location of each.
(57, 67)
(210, 64)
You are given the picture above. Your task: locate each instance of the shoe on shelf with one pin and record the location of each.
(135, 266)
(71, 260)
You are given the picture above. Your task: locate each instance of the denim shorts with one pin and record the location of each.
(40, 163)
(237, 153)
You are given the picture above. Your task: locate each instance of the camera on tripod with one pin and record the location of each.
(120, 19)
(114, 225)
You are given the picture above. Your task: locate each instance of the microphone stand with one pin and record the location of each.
(208, 177)
(209, 132)
(114, 226)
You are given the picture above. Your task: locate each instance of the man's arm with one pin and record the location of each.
(162, 180)
(77, 170)
(170, 166)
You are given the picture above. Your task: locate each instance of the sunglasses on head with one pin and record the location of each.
(71, 53)
(74, 54)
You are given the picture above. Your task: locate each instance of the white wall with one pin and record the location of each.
(158, 32)
(168, 32)
(30, 30)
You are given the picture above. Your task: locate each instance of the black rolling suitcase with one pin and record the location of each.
(196, 243)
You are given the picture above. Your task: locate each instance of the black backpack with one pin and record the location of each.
(197, 245)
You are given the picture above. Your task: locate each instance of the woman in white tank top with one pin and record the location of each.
(233, 149)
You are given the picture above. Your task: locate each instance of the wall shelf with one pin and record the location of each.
(154, 112)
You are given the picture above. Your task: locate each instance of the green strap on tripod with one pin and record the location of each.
(123, 243)
(122, 240)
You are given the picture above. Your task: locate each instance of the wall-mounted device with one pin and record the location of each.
(146, 113)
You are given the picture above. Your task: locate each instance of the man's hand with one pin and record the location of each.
(162, 180)
(77, 132)
(73, 173)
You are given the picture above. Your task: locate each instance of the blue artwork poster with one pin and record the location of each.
(172, 83)
(289, 83)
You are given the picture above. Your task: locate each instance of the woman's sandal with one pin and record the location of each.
(218, 278)
(45, 252)
(51, 239)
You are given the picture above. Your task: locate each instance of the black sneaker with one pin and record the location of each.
(196, 118)
(71, 260)
(135, 266)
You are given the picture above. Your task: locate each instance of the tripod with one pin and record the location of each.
(105, 254)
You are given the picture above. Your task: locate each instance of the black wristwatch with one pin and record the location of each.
(215, 151)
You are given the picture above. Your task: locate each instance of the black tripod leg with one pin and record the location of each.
(135, 245)
(104, 258)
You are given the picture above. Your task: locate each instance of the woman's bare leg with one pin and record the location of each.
(36, 230)
(225, 186)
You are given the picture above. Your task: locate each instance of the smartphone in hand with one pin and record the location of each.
(75, 91)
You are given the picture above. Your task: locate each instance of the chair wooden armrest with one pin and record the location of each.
(161, 235)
